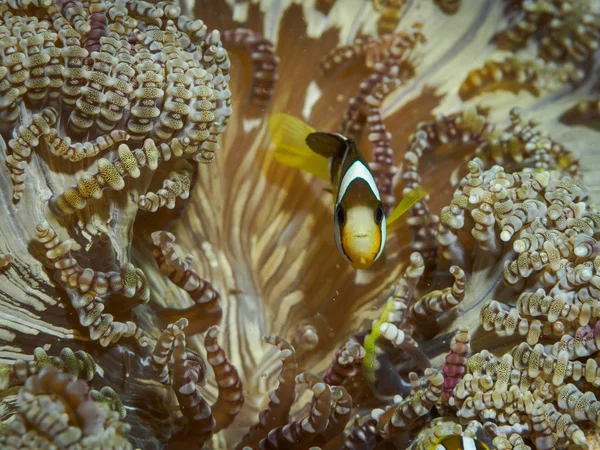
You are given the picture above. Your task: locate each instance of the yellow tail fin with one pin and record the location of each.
(408, 201)
(289, 135)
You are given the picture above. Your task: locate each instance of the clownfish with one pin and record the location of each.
(360, 225)
(458, 442)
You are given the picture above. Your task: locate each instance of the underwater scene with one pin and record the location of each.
(288, 224)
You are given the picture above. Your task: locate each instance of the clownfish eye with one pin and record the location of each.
(340, 215)
(379, 215)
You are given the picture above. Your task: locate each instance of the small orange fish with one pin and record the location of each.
(360, 225)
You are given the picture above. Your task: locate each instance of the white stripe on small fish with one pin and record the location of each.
(358, 170)
(469, 443)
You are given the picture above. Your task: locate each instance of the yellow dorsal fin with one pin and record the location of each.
(413, 197)
(289, 135)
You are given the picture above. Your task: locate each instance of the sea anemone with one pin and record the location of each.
(479, 321)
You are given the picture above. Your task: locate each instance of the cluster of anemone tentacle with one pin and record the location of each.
(136, 80)
(89, 288)
(185, 371)
(514, 74)
(540, 228)
(55, 407)
(566, 36)
(568, 31)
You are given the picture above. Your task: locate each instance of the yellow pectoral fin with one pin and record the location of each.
(289, 135)
(407, 202)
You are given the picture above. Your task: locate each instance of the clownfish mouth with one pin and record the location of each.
(361, 236)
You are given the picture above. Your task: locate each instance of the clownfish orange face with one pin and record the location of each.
(360, 233)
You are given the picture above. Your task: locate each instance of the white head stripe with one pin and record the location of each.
(357, 170)
(469, 443)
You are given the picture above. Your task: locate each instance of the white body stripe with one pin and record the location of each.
(357, 170)
(469, 443)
